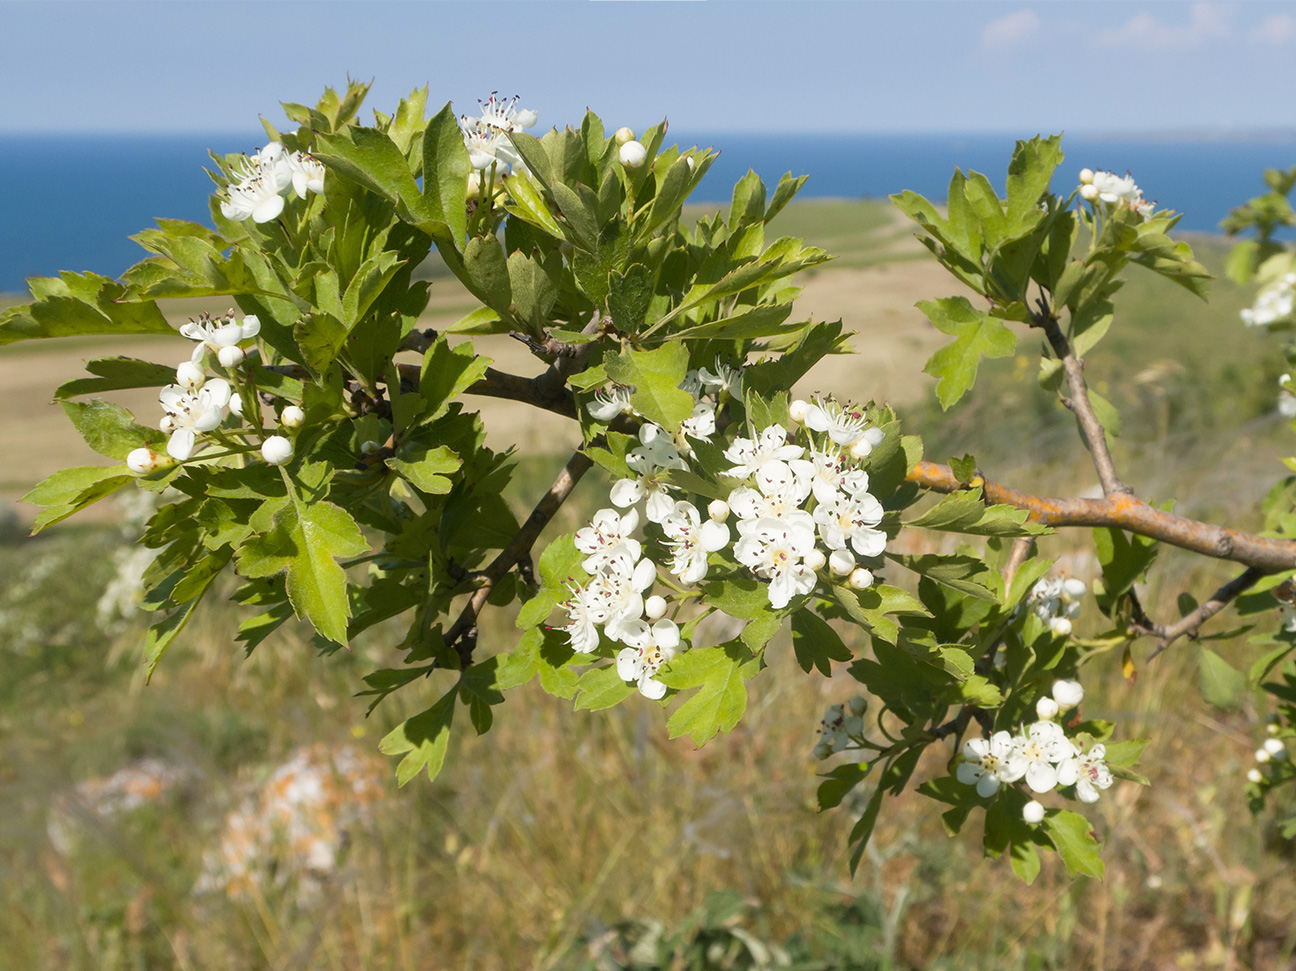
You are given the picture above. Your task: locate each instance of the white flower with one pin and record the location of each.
(292, 417)
(775, 550)
(702, 423)
(870, 440)
(192, 415)
(1255, 775)
(1115, 190)
(650, 648)
(624, 584)
(307, 173)
(1033, 812)
(1262, 755)
(277, 450)
(1273, 304)
(748, 455)
(145, 460)
(1286, 400)
(1057, 599)
(608, 535)
(610, 403)
(779, 496)
(261, 179)
(1044, 745)
(725, 380)
(486, 135)
(654, 454)
(503, 115)
(989, 762)
(632, 155)
(851, 520)
(691, 540)
(1088, 772)
(1067, 693)
(1276, 748)
(218, 333)
(843, 427)
(587, 608)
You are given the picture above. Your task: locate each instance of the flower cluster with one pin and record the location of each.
(1274, 303)
(486, 136)
(1042, 755)
(1056, 600)
(842, 728)
(197, 404)
(800, 510)
(264, 176)
(1114, 190)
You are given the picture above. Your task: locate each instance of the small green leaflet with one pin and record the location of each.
(656, 376)
(304, 539)
(965, 511)
(719, 674)
(977, 335)
(425, 737)
(1076, 843)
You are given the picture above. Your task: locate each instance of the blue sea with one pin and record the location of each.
(69, 202)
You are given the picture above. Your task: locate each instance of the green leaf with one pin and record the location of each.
(1221, 684)
(116, 373)
(965, 512)
(602, 688)
(719, 674)
(110, 429)
(656, 376)
(425, 737)
(369, 156)
(629, 295)
(535, 287)
(815, 643)
(488, 274)
(79, 303)
(1076, 843)
(839, 782)
(976, 335)
(447, 373)
(422, 466)
(304, 539)
(445, 174)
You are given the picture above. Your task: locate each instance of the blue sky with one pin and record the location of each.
(719, 66)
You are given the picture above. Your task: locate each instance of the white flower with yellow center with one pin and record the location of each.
(608, 535)
(307, 173)
(749, 455)
(851, 520)
(193, 414)
(586, 610)
(844, 426)
(989, 762)
(690, 540)
(775, 550)
(1088, 772)
(1043, 746)
(649, 648)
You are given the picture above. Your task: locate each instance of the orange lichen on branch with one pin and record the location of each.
(1124, 511)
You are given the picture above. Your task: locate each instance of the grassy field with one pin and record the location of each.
(568, 840)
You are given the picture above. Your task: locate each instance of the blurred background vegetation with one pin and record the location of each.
(576, 841)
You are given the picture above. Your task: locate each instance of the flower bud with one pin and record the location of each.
(655, 607)
(1060, 626)
(231, 356)
(166, 423)
(861, 579)
(236, 404)
(276, 450)
(1086, 176)
(1262, 755)
(841, 563)
(822, 750)
(1255, 775)
(145, 460)
(861, 448)
(1033, 812)
(1067, 693)
(858, 705)
(853, 726)
(815, 559)
(624, 135)
(1089, 193)
(1047, 709)
(1273, 728)
(474, 187)
(688, 160)
(1073, 588)
(798, 409)
(633, 155)
(190, 376)
(718, 510)
(292, 417)
(1276, 748)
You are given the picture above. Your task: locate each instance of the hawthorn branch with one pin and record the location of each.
(462, 635)
(1188, 627)
(1094, 434)
(1124, 511)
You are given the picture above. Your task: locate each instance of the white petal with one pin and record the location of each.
(650, 689)
(268, 210)
(628, 668)
(181, 444)
(1041, 777)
